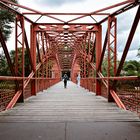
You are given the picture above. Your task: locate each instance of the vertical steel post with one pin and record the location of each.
(33, 56)
(19, 44)
(112, 45)
(112, 52)
(85, 55)
(23, 60)
(43, 56)
(98, 56)
(16, 46)
(89, 54)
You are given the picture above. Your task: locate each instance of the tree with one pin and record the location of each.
(4, 70)
(27, 62)
(132, 68)
(6, 18)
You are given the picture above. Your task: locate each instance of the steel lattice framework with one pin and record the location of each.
(57, 45)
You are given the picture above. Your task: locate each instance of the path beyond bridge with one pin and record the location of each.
(68, 114)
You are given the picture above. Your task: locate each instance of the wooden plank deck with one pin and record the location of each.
(68, 114)
(57, 104)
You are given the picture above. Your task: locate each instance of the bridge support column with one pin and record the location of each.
(33, 56)
(98, 55)
(112, 52)
(19, 44)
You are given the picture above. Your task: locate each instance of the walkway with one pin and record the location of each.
(68, 114)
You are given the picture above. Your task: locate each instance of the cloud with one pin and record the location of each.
(132, 55)
(124, 24)
(123, 36)
(125, 20)
(56, 2)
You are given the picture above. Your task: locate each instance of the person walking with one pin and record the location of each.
(65, 80)
(78, 80)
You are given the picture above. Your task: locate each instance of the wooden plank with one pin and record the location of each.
(57, 104)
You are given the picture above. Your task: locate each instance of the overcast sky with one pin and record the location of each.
(125, 20)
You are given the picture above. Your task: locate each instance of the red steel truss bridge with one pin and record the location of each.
(58, 43)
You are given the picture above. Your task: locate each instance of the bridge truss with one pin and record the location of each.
(64, 42)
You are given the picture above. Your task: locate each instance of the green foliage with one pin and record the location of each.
(105, 66)
(6, 18)
(27, 62)
(131, 68)
(4, 69)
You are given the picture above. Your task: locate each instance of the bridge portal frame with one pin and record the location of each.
(43, 45)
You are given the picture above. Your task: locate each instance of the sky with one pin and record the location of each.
(124, 23)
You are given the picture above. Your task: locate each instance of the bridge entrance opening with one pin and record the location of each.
(66, 72)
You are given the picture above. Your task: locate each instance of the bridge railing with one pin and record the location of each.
(8, 88)
(46, 83)
(128, 91)
(7, 92)
(88, 83)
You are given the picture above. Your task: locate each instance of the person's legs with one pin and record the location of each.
(65, 83)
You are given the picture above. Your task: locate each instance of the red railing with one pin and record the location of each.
(8, 88)
(7, 91)
(88, 83)
(46, 83)
(127, 93)
(131, 100)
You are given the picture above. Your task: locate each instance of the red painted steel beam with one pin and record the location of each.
(73, 61)
(38, 51)
(93, 51)
(98, 55)
(21, 98)
(111, 43)
(103, 52)
(120, 78)
(117, 99)
(88, 14)
(121, 10)
(33, 56)
(21, 34)
(101, 10)
(32, 10)
(59, 28)
(58, 23)
(43, 45)
(14, 100)
(16, 45)
(58, 62)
